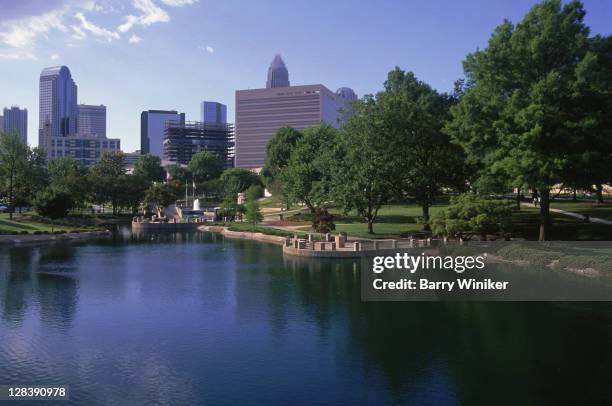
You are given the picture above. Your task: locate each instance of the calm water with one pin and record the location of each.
(195, 319)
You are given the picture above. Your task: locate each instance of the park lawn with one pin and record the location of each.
(526, 223)
(397, 221)
(394, 221)
(593, 209)
(24, 222)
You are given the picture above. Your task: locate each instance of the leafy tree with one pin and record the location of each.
(205, 166)
(179, 173)
(308, 176)
(518, 115)
(70, 175)
(134, 188)
(363, 178)
(149, 167)
(53, 203)
(470, 215)
(253, 212)
(161, 195)
(231, 209)
(592, 102)
(13, 166)
(425, 161)
(278, 152)
(237, 180)
(107, 176)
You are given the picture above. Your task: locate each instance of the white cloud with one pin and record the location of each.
(134, 39)
(22, 33)
(54, 57)
(17, 54)
(150, 14)
(99, 32)
(207, 48)
(178, 3)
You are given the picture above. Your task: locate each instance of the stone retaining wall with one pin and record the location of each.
(273, 239)
(141, 226)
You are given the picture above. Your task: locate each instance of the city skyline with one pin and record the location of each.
(114, 49)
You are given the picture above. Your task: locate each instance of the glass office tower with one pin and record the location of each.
(57, 105)
(16, 121)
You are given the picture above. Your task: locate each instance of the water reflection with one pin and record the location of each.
(196, 318)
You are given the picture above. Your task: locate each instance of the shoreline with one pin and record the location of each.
(19, 239)
(245, 235)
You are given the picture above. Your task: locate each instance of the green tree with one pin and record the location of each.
(470, 215)
(425, 161)
(363, 180)
(149, 167)
(253, 212)
(13, 166)
(107, 176)
(278, 152)
(308, 176)
(134, 188)
(179, 173)
(237, 180)
(518, 114)
(70, 175)
(53, 203)
(205, 166)
(161, 195)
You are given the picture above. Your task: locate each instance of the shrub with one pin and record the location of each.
(470, 215)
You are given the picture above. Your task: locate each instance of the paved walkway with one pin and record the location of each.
(575, 215)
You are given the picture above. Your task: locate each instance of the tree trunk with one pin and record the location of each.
(574, 197)
(425, 208)
(599, 192)
(544, 215)
(370, 226)
(518, 198)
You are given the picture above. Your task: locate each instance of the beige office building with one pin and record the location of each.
(261, 112)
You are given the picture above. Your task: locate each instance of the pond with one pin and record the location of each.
(193, 318)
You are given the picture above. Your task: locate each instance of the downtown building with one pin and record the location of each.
(260, 113)
(15, 121)
(152, 130)
(59, 132)
(91, 120)
(183, 139)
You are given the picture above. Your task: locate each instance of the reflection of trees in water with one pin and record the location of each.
(37, 274)
(482, 349)
(57, 295)
(17, 282)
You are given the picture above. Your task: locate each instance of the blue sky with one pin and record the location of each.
(134, 55)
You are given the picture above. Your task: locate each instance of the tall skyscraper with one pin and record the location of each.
(152, 126)
(57, 105)
(261, 112)
(91, 120)
(15, 120)
(213, 112)
(278, 75)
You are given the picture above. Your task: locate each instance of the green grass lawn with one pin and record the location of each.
(24, 223)
(31, 223)
(593, 209)
(396, 221)
(564, 228)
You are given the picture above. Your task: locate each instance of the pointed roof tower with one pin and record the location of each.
(278, 75)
